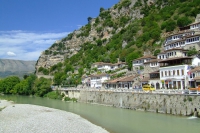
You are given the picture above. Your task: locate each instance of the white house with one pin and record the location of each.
(196, 61)
(85, 81)
(97, 80)
(140, 61)
(103, 67)
(183, 41)
(174, 76)
(194, 72)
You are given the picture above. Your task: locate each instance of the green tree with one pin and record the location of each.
(192, 51)
(89, 19)
(7, 84)
(25, 86)
(42, 86)
(99, 42)
(130, 57)
(59, 77)
(183, 21)
(156, 52)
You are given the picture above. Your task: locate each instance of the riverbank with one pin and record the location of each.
(174, 104)
(23, 118)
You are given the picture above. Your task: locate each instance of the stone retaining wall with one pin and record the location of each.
(162, 103)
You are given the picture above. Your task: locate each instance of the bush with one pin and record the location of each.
(156, 52)
(67, 99)
(40, 69)
(192, 51)
(45, 71)
(74, 99)
(54, 95)
(189, 99)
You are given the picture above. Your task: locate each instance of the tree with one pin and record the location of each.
(130, 57)
(68, 68)
(42, 86)
(58, 78)
(89, 19)
(25, 76)
(7, 84)
(80, 71)
(25, 86)
(99, 42)
(192, 51)
(156, 52)
(102, 9)
(183, 21)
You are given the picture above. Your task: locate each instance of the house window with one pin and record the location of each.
(162, 73)
(169, 73)
(165, 73)
(173, 72)
(182, 71)
(177, 72)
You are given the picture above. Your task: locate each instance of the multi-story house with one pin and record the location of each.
(174, 68)
(103, 67)
(188, 37)
(97, 80)
(140, 61)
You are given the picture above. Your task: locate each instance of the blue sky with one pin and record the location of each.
(28, 27)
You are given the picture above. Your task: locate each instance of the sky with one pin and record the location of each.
(28, 27)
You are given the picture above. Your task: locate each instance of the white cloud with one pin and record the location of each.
(26, 45)
(9, 53)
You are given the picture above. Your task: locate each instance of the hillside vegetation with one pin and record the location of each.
(123, 32)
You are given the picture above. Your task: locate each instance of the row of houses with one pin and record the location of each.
(173, 68)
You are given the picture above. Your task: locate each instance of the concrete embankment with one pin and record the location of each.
(24, 118)
(161, 103)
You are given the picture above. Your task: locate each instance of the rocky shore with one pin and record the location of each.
(25, 118)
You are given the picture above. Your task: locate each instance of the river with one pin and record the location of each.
(117, 120)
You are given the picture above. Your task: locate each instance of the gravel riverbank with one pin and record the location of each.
(25, 118)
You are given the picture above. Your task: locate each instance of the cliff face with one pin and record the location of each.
(16, 67)
(96, 29)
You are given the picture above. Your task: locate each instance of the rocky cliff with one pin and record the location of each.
(16, 67)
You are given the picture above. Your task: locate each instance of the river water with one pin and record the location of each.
(117, 120)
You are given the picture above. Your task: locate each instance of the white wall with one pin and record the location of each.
(195, 61)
